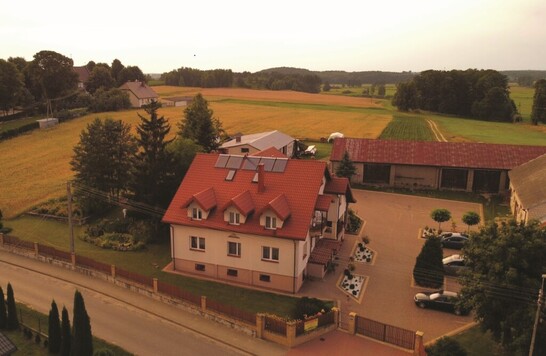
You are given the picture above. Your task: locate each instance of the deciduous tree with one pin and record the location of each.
(82, 339)
(405, 98)
(445, 346)
(538, 113)
(440, 216)
(506, 262)
(54, 330)
(471, 218)
(100, 77)
(11, 85)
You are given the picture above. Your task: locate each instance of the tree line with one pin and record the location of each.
(481, 94)
(191, 77)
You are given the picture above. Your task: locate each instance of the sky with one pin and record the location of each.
(395, 35)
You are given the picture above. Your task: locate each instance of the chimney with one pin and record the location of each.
(261, 178)
(238, 138)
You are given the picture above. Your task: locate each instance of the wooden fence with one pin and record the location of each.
(177, 293)
(134, 277)
(92, 264)
(232, 311)
(386, 333)
(276, 325)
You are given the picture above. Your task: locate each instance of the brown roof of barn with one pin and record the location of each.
(442, 154)
(529, 181)
(140, 90)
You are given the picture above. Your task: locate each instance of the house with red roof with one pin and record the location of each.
(83, 76)
(260, 220)
(140, 94)
(466, 166)
(528, 191)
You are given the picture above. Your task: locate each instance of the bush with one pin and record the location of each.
(354, 222)
(109, 100)
(309, 307)
(429, 269)
(445, 346)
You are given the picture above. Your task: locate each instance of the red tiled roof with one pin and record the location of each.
(299, 183)
(324, 251)
(270, 152)
(339, 185)
(243, 203)
(140, 89)
(279, 205)
(323, 203)
(441, 154)
(205, 198)
(83, 73)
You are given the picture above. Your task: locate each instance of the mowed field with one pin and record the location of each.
(36, 166)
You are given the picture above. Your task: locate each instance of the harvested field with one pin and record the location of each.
(212, 94)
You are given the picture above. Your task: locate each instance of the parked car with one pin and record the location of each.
(440, 300)
(454, 240)
(453, 264)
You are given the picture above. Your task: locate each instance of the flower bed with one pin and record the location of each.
(352, 284)
(362, 253)
(428, 232)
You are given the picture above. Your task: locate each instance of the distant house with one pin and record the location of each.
(49, 122)
(177, 101)
(263, 221)
(83, 76)
(528, 190)
(139, 93)
(249, 144)
(466, 166)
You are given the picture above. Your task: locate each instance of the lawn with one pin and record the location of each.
(408, 127)
(149, 262)
(523, 98)
(13, 124)
(478, 343)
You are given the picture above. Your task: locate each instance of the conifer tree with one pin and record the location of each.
(66, 334)
(82, 340)
(3, 311)
(12, 320)
(54, 345)
(346, 167)
(429, 269)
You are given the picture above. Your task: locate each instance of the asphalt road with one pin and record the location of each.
(130, 327)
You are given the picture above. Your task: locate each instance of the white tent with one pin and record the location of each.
(335, 135)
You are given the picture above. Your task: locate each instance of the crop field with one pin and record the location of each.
(408, 127)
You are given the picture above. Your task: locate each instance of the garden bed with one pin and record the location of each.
(363, 253)
(353, 285)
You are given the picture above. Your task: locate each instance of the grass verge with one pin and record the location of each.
(478, 343)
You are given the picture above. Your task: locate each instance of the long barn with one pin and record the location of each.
(465, 166)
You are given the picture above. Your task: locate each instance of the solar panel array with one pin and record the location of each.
(271, 164)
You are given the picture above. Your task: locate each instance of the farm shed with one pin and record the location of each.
(249, 144)
(465, 166)
(528, 190)
(139, 93)
(49, 122)
(177, 101)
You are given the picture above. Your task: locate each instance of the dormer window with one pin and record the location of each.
(234, 218)
(270, 222)
(197, 214)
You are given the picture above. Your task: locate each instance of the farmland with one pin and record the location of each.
(408, 127)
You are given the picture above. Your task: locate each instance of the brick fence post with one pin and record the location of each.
(419, 348)
(2, 239)
(204, 303)
(36, 250)
(336, 316)
(113, 271)
(352, 323)
(260, 325)
(154, 284)
(73, 259)
(291, 333)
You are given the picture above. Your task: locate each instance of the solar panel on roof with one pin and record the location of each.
(251, 163)
(280, 165)
(234, 162)
(268, 163)
(221, 161)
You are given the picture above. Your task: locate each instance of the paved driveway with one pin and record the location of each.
(392, 224)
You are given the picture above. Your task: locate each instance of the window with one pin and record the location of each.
(197, 214)
(265, 278)
(234, 249)
(270, 253)
(232, 272)
(197, 243)
(234, 218)
(245, 150)
(199, 267)
(270, 222)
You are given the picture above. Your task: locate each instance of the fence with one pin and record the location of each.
(231, 311)
(92, 264)
(321, 320)
(386, 333)
(54, 253)
(177, 293)
(276, 325)
(135, 277)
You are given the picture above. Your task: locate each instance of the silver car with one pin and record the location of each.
(453, 264)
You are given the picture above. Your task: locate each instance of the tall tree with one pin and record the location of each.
(538, 113)
(13, 320)
(51, 76)
(153, 170)
(3, 311)
(183, 151)
(100, 77)
(19, 62)
(103, 160)
(471, 218)
(405, 98)
(200, 126)
(66, 334)
(506, 263)
(130, 73)
(11, 85)
(429, 269)
(116, 68)
(54, 330)
(346, 167)
(82, 339)
(440, 216)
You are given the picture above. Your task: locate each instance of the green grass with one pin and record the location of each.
(13, 124)
(304, 106)
(39, 321)
(479, 343)
(408, 127)
(146, 262)
(324, 149)
(523, 98)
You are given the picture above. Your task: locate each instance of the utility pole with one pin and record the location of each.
(539, 307)
(70, 225)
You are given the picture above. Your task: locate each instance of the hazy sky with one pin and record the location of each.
(394, 35)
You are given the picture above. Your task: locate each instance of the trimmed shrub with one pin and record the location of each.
(308, 307)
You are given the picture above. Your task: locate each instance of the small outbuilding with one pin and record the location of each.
(49, 122)
(177, 101)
